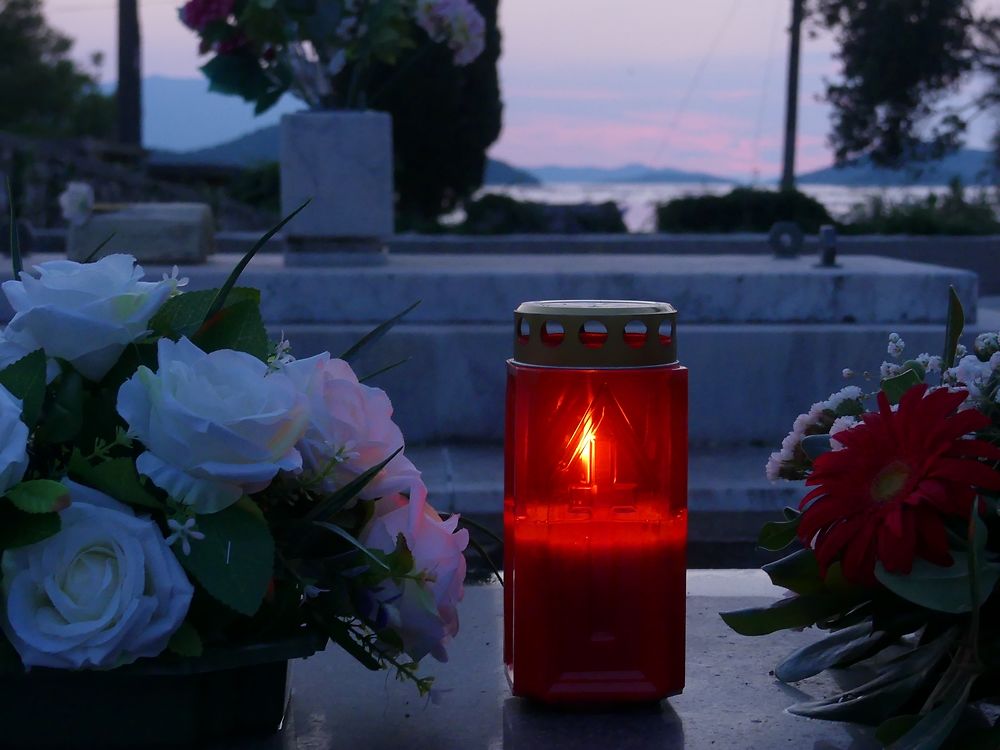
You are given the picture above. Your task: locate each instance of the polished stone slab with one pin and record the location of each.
(730, 700)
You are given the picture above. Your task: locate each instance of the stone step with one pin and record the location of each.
(728, 496)
(748, 382)
(485, 288)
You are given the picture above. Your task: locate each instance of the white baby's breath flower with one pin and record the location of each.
(840, 424)
(178, 280)
(888, 370)
(183, 533)
(986, 344)
(960, 351)
(847, 372)
(896, 346)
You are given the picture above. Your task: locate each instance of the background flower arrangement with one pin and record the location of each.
(322, 51)
(898, 545)
(173, 481)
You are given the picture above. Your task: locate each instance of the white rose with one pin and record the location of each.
(77, 202)
(86, 313)
(424, 614)
(351, 423)
(102, 592)
(13, 441)
(215, 426)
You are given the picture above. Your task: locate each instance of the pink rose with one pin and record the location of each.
(424, 612)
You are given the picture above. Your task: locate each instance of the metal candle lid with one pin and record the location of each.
(595, 333)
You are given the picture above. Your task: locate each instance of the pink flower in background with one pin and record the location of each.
(197, 14)
(456, 22)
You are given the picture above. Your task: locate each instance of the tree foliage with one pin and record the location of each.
(901, 62)
(44, 92)
(445, 117)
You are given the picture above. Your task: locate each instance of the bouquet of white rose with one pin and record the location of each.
(172, 482)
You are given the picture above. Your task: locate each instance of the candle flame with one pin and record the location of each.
(584, 439)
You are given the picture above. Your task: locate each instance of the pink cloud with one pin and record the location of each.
(698, 142)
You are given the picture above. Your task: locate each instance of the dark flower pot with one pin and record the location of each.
(230, 693)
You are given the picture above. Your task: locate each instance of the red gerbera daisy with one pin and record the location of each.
(885, 496)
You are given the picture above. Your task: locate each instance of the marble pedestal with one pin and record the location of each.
(342, 162)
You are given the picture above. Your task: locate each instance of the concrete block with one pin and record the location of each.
(343, 162)
(182, 233)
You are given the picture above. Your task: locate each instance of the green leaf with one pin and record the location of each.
(474, 543)
(39, 496)
(116, 477)
(15, 243)
(186, 642)
(850, 407)
(953, 331)
(375, 334)
(335, 502)
(468, 523)
(798, 572)
(25, 379)
(238, 326)
(795, 612)
(96, 250)
(135, 356)
(943, 589)
(323, 611)
(223, 294)
(19, 529)
(777, 535)
(185, 313)
(383, 370)
(333, 528)
(982, 739)
(878, 699)
(400, 561)
(935, 726)
(897, 385)
(815, 446)
(892, 729)
(235, 561)
(64, 417)
(911, 365)
(237, 74)
(843, 647)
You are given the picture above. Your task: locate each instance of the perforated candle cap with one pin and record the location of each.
(595, 333)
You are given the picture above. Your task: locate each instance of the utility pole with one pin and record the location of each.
(128, 99)
(792, 100)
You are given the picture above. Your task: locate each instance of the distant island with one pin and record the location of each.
(262, 146)
(971, 166)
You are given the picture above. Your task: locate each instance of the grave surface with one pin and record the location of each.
(730, 702)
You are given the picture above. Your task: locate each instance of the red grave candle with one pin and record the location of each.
(595, 509)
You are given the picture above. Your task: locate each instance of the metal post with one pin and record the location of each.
(129, 95)
(792, 100)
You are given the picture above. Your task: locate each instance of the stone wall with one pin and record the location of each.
(39, 170)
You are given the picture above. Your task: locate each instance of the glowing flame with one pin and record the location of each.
(585, 437)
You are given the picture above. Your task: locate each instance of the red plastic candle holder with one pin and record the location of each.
(595, 507)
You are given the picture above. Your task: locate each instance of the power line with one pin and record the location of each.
(765, 88)
(696, 78)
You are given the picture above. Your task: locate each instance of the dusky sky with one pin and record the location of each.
(692, 84)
